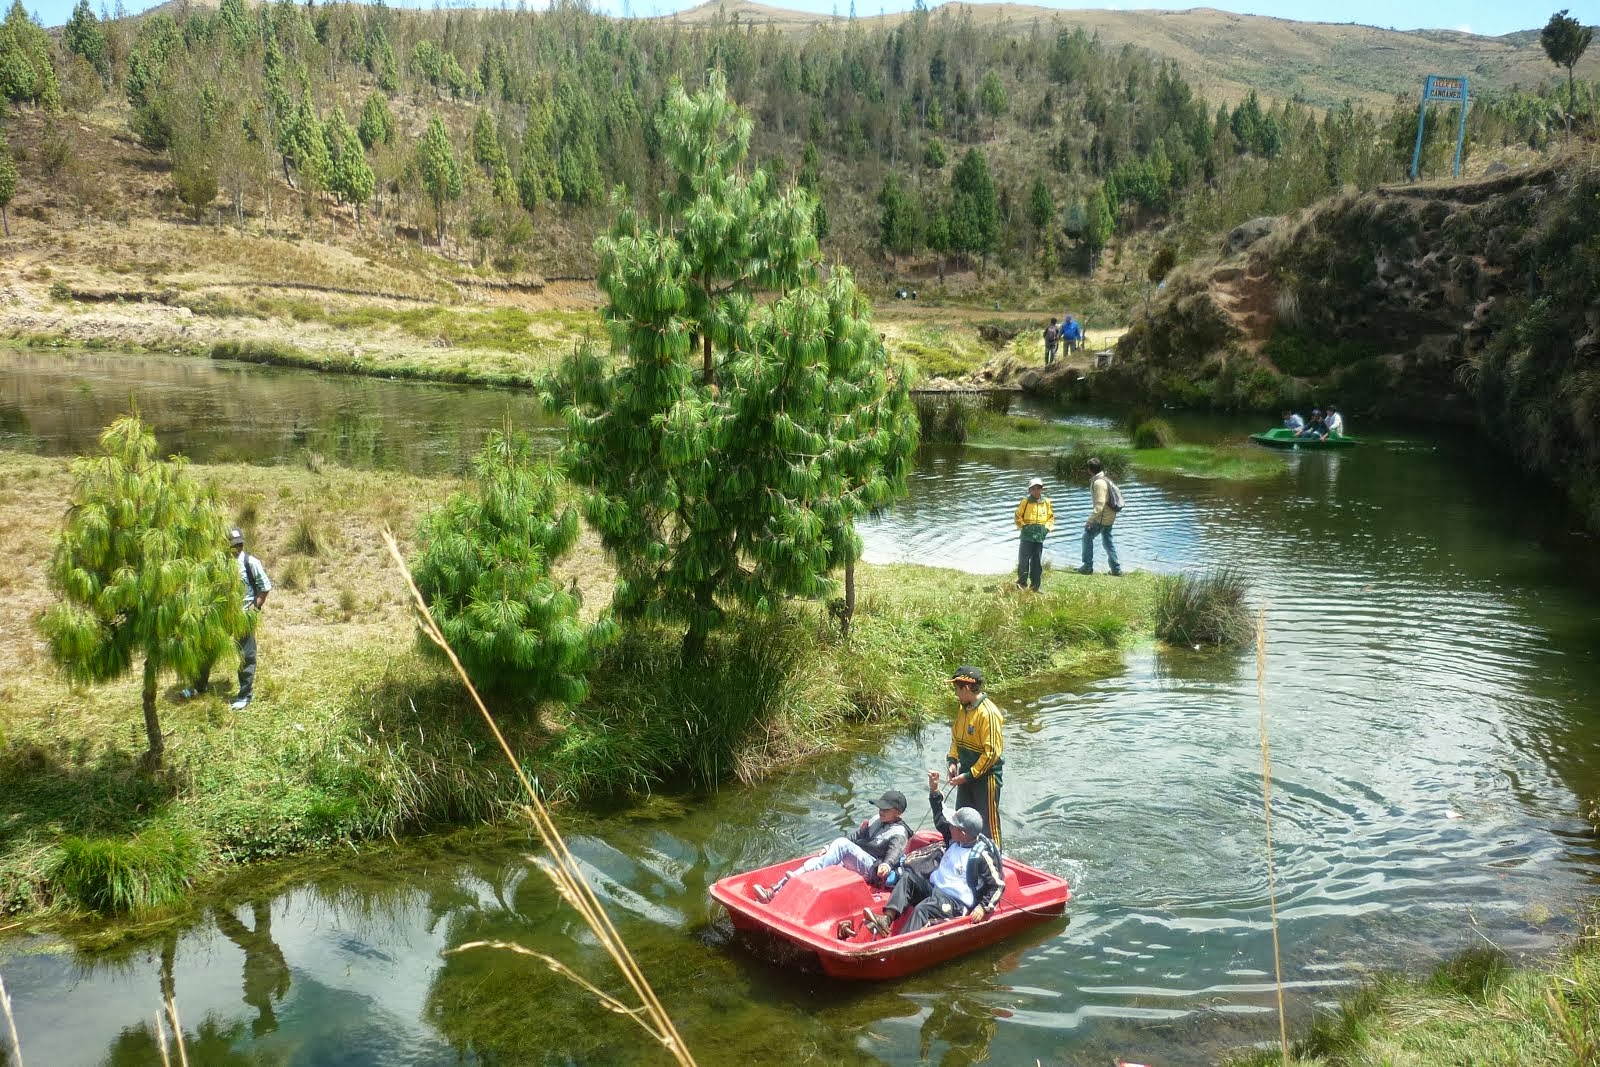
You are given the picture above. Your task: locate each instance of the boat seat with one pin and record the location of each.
(819, 899)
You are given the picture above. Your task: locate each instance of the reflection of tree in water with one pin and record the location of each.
(266, 974)
(963, 1025)
(211, 1043)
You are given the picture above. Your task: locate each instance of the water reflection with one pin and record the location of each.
(215, 412)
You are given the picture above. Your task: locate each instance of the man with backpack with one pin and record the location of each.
(256, 587)
(1052, 338)
(1106, 500)
(1072, 334)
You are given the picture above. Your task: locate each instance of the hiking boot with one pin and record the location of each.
(878, 924)
(845, 930)
(763, 894)
(240, 703)
(1116, 572)
(1086, 569)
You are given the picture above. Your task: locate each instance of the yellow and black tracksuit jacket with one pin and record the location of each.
(978, 748)
(1031, 512)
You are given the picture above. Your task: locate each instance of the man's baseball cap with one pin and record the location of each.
(968, 819)
(1037, 481)
(968, 673)
(236, 536)
(892, 798)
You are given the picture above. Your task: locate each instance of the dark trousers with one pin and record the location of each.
(1030, 563)
(913, 893)
(247, 668)
(983, 796)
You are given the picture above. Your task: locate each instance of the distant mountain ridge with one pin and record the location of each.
(1226, 55)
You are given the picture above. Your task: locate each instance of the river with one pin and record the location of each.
(1433, 693)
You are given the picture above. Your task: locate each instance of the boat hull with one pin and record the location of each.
(1286, 439)
(807, 913)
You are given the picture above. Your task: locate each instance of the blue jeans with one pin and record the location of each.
(841, 852)
(1104, 531)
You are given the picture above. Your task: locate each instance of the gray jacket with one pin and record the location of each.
(886, 841)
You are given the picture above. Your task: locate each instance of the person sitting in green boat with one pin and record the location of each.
(1334, 422)
(1293, 421)
(1314, 427)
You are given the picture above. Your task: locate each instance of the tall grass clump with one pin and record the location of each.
(944, 418)
(112, 875)
(650, 721)
(1154, 433)
(1203, 609)
(305, 537)
(1073, 464)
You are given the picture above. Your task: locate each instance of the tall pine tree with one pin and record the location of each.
(726, 445)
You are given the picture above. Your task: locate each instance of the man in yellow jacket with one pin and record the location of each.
(977, 750)
(1036, 518)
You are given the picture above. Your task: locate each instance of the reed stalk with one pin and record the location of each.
(563, 869)
(1266, 788)
(11, 1023)
(177, 1031)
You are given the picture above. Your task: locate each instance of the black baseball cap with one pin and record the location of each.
(968, 673)
(892, 798)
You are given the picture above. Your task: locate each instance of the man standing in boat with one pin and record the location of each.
(1036, 518)
(977, 750)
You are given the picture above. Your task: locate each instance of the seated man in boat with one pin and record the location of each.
(1314, 427)
(962, 875)
(871, 851)
(1334, 423)
(1293, 421)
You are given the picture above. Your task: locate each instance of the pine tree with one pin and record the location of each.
(974, 211)
(897, 221)
(934, 156)
(1098, 225)
(8, 182)
(1564, 40)
(486, 149)
(440, 173)
(83, 37)
(238, 28)
(377, 122)
(992, 97)
(26, 71)
(350, 177)
(1041, 212)
(302, 143)
(143, 571)
(485, 573)
(736, 480)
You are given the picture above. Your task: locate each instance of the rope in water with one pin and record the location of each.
(1266, 788)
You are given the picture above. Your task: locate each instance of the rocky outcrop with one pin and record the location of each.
(1466, 301)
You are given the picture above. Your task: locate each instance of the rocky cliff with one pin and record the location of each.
(1467, 302)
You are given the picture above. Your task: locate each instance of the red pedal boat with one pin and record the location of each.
(808, 911)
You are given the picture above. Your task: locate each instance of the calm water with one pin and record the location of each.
(1434, 693)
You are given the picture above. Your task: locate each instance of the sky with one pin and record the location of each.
(1490, 17)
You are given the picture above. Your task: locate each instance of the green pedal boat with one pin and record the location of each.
(1282, 438)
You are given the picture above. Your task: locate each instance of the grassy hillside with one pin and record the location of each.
(1227, 55)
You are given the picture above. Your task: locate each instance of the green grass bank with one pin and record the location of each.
(356, 735)
(1476, 1008)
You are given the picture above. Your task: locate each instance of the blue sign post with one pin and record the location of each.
(1441, 89)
